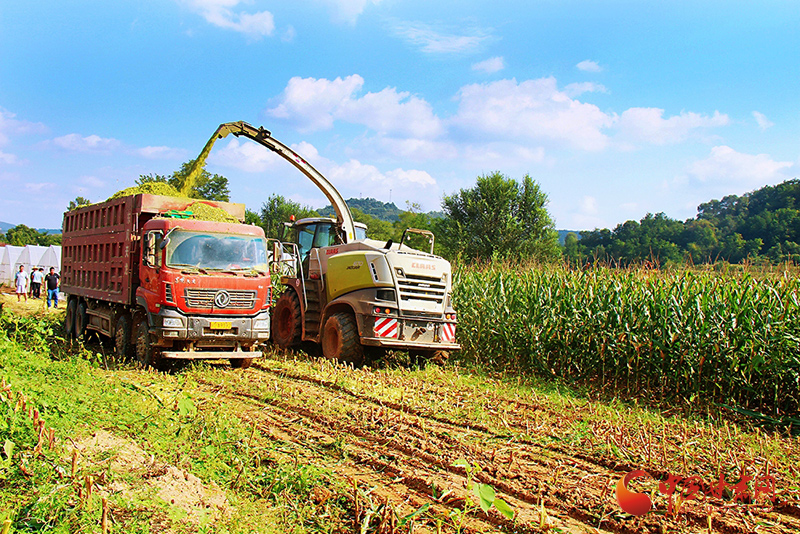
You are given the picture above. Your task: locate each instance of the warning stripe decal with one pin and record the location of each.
(386, 327)
(449, 333)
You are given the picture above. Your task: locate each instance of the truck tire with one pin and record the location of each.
(241, 363)
(287, 321)
(122, 338)
(69, 318)
(340, 339)
(420, 358)
(145, 353)
(81, 320)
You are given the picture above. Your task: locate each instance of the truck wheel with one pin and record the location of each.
(81, 318)
(287, 321)
(420, 358)
(69, 318)
(241, 363)
(122, 338)
(340, 339)
(144, 349)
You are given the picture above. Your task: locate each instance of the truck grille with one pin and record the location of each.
(204, 298)
(427, 288)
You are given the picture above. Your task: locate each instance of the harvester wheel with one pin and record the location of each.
(69, 318)
(340, 339)
(122, 338)
(420, 358)
(287, 321)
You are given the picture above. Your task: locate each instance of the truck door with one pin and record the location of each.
(151, 263)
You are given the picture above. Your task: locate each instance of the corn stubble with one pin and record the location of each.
(690, 336)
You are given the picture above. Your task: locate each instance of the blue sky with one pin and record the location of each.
(617, 108)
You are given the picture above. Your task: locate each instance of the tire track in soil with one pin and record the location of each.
(560, 456)
(420, 441)
(418, 472)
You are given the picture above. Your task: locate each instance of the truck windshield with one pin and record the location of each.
(213, 251)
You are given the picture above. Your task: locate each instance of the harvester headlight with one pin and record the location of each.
(261, 324)
(172, 322)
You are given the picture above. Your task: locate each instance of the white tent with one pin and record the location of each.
(32, 256)
(9, 264)
(51, 258)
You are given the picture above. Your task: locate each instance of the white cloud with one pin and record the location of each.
(314, 104)
(311, 103)
(649, 125)
(161, 152)
(577, 89)
(534, 110)
(588, 205)
(246, 156)
(349, 10)
(8, 159)
(435, 41)
(490, 66)
(221, 13)
(392, 112)
(10, 125)
(589, 66)
(34, 187)
(92, 182)
(762, 121)
(92, 143)
(724, 164)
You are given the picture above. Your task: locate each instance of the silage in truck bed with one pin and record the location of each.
(199, 209)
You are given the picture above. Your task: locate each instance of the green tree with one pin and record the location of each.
(207, 186)
(22, 235)
(571, 249)
(377, 229)
(78, 203)
(499, 218)
(278, 210)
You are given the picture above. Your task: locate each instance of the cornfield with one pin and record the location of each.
(729, 339)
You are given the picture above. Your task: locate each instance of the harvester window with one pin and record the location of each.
(305, 239)
(326, 235)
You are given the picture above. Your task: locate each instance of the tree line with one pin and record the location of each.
(761, 226)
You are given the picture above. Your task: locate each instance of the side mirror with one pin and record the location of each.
(164, 243)
(277, 252)
(150, 249)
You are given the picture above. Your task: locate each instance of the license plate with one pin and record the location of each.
(220, 325)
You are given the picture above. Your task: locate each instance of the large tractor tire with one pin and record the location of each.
(69, 318)
(81, 321)
(420, 358)
(123, 345)
(287, 320)
(340, 339)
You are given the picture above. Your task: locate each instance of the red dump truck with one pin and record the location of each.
(164, 286)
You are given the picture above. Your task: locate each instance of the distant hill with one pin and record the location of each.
(386, 211)
(5, 227)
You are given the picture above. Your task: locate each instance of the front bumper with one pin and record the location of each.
(407, 333)
(173, 325)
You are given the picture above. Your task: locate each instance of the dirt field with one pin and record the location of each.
(404, 452)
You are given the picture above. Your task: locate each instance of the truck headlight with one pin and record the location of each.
(172, 322)
(261, 324)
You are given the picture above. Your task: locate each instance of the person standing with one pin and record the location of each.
(52, 287)
(36, 282)
(21, 281)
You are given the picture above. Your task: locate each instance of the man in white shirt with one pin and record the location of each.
(36, 282)
(21, 281)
